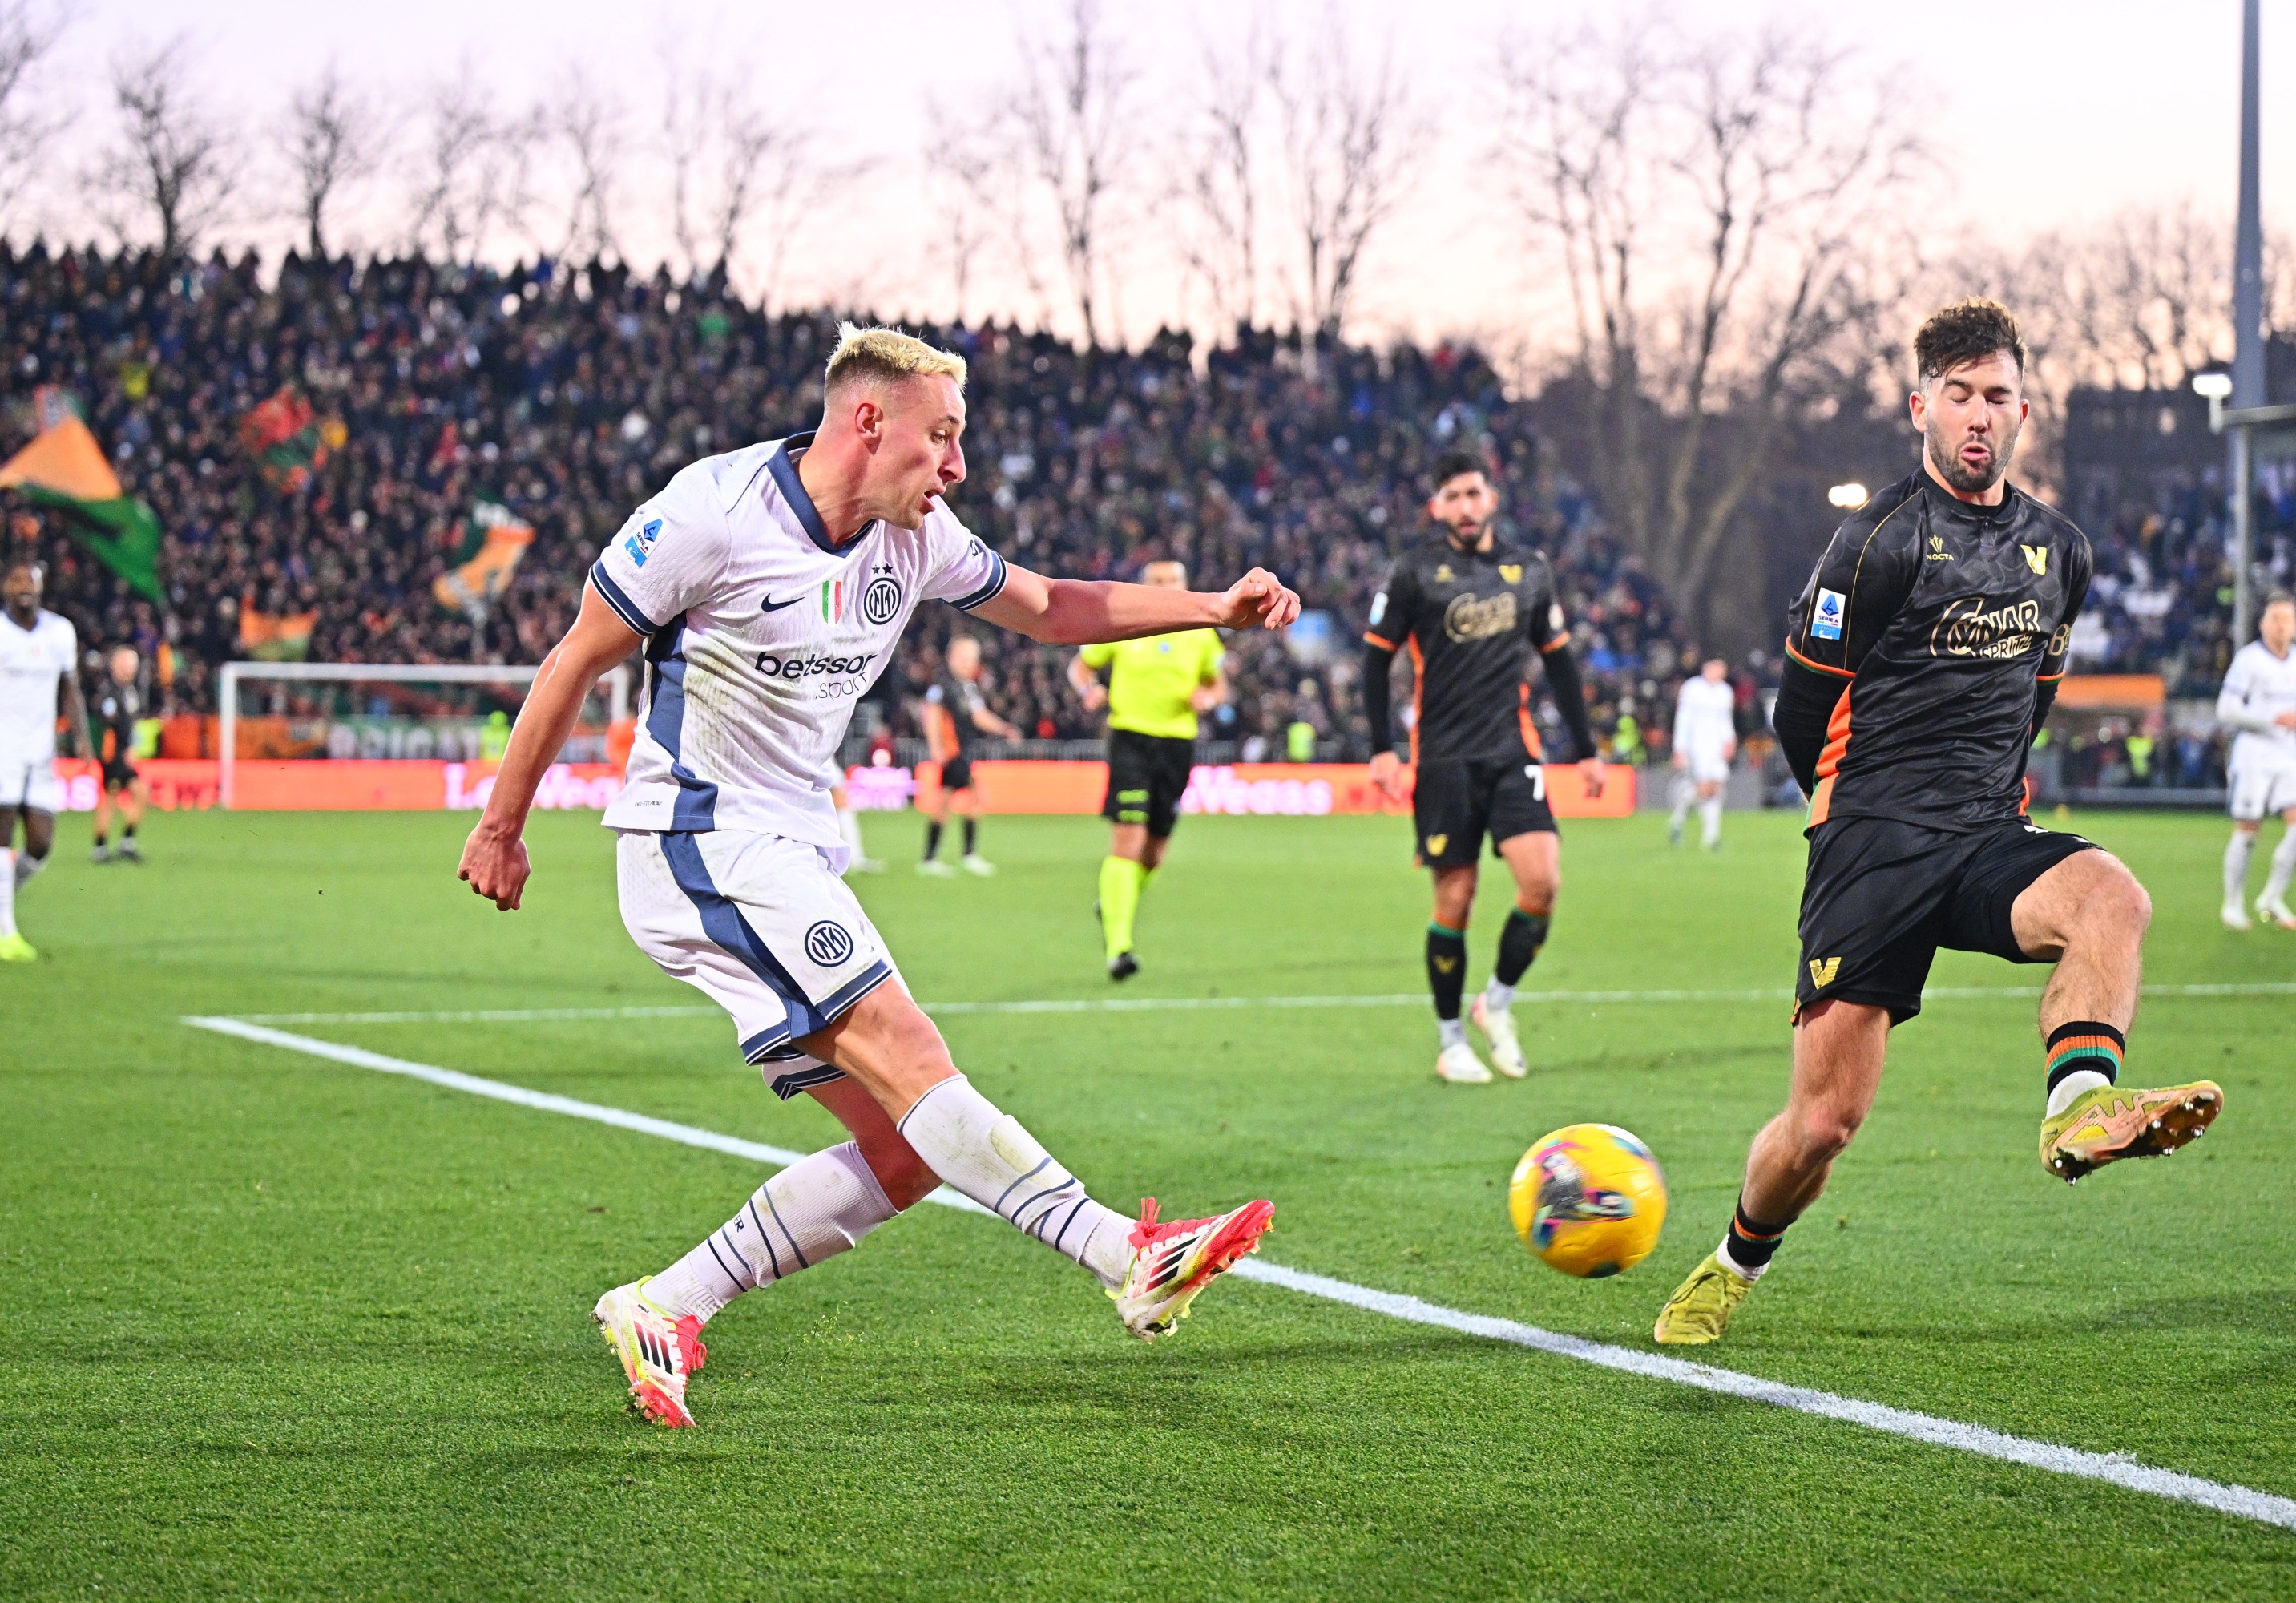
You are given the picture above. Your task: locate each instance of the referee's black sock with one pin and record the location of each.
(932, 841)
(972, 835)
(1446, 970)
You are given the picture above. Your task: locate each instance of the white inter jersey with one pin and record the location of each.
(31, 662)
(1703, 718)
(2258, 690)
(760, 636)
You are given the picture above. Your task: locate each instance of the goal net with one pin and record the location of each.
(408, 726)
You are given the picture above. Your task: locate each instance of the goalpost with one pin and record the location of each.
(418, 711)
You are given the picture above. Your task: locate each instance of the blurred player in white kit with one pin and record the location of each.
(2259, 700)
(1705, 741)
(38, 648)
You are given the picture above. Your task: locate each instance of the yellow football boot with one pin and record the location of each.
(1702, 1305)
(2110, 1122)
(15, 948)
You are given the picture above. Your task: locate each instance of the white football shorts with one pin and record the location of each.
(763, 927)
(27, 784)
(2257, 791)
(1708, 764)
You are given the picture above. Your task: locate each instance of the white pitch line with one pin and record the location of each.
(2113, 1468)
(511, 1015)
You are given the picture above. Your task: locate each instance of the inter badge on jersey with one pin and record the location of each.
(1825, 621)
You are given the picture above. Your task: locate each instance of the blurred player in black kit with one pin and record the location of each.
(1921, 655)
(1471, 612)
(118, 705)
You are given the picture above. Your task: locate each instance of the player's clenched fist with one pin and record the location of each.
(1257, 597)
(495, 866)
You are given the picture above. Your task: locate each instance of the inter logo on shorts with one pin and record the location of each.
(828, 944)
(880, 602)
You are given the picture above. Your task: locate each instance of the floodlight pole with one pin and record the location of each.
(2247, 337)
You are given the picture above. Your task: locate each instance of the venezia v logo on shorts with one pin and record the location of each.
(1821, 974)
(1435, 845)
(828, 944)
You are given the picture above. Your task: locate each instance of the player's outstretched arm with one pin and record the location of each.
(494, 858)
(1074, 612)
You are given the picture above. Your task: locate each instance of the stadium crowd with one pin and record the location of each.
(567, 396)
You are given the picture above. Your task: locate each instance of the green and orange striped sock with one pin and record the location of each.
(2083, 1055)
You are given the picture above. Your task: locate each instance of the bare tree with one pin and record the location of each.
(1216, 178)
(971, 209)
(473, 171)
(746, 177)
(1073, 110)
(26, 125)
(1713, 216)
(333, 136)
(172, 165)
(589, 127)
(1350, 134)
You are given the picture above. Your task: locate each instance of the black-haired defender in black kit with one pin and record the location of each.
(1471, 612)
(1921, 655)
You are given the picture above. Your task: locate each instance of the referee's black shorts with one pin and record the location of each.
(1147, 776)
(1457, 801)
(1882, 896)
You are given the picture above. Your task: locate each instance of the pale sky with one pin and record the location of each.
(2047, 113)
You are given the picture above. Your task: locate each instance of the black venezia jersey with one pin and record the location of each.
(1938, 618)
(1471, 620)
(116, 709)
(957, 700)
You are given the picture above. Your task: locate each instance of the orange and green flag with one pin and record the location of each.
(64, 468)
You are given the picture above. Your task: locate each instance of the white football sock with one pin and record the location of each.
(849, 826)
(1450, 1032)
(7, 892)
(2062, 1094)
(984, 1153)
(2237, 851)
(1681, 811)
(2283, 865)
(27, 866)
(1498, 997)
(811, 1211)
(1709, 819)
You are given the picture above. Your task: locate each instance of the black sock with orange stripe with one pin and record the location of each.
(2083, 1055)
(1750, 1244)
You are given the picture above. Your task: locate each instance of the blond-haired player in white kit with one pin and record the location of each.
(1705, 741)
(769, 587)
(38, 648)
(2259, 700)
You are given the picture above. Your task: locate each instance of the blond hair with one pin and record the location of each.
(889, 354)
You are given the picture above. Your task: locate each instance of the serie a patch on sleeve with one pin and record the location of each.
(1825, 617)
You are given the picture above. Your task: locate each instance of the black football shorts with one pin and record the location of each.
(1460, 800)
(1882, 896)
(1147, 776)
(118, 773)
(957, 774)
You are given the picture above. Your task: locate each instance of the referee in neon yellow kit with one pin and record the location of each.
(1155, 689)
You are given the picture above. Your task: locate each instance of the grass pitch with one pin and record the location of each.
(286, 1327)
